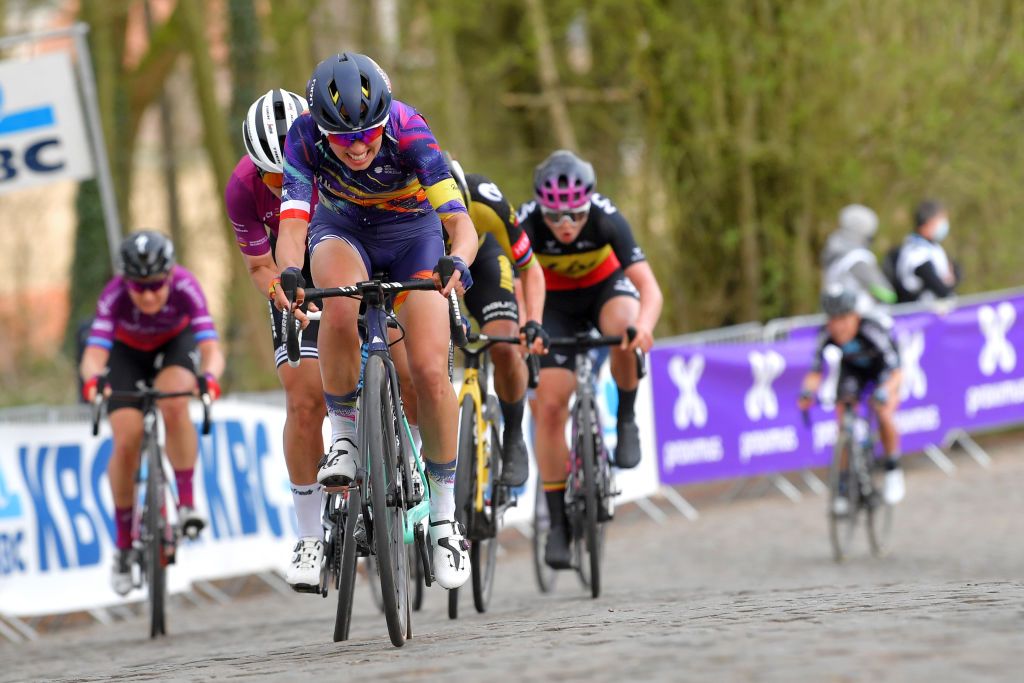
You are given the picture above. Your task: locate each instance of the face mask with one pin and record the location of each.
(941, 230)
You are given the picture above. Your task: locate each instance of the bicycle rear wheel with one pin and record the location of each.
(379, 441)
(879, 514)
(841, 527)
(590, 552)
(544, 574)
(484, 552)
(153, 539)
(465, 485)
(347, 569)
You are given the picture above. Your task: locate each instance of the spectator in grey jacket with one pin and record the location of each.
(847, 259)
(923, 270)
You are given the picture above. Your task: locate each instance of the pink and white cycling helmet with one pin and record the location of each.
(564, 182)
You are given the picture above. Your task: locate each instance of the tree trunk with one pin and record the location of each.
(547, 70)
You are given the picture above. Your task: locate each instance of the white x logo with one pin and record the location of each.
(690, 407)
(995, 323)
(761, 400)
(914, 382)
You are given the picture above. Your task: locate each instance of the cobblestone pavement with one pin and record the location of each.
(746, 593)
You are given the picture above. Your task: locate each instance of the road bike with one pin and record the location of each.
(388, 505)
(856, 475)
(590, 488)
(154, 537)
(480, 502)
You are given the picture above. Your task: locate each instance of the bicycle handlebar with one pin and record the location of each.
(532, 361)
(445, 269)
(203, 394)
(583, 341)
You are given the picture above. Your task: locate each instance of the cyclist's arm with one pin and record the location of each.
(94, 362)
(463, 236)
(211, 358)
(534, 291)
(262, 271)
(651, 301)
(297, 192)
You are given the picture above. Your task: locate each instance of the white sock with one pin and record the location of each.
(441, 479)
(308, 500)
(342, 426)
(417, 440)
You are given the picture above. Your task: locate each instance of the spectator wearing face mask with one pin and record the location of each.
(847, 259)
(923, 270)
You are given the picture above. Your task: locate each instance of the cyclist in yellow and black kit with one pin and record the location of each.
(504, 250)
(597, 277)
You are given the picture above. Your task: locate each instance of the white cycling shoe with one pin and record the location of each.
(895, 487)
(303, 574)
(840, 506)
(450, 553)
(338, 467)
(121, 575)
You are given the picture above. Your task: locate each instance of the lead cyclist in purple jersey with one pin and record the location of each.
(384, 193)
(253, 200)
(149, 323)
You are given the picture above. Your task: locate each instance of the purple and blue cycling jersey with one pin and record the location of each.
(118, 319)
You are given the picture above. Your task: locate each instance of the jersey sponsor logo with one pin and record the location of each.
(626, 285)
(998, 352)
(760, 400)
(690, 408)
(638, 254)
(525, 210)
(603, 203)
(915, 382)
(490, 191)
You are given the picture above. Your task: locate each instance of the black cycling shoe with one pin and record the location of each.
(515, 466)
(627, 450)
(557, 554)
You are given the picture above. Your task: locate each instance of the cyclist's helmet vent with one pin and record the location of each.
(563, 181)
(146, 253)
(266, 125)
(459, 176)
(348, 93)
(838, 300)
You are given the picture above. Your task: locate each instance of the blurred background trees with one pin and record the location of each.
(729, 133)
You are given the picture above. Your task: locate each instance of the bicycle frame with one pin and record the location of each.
(471, 386)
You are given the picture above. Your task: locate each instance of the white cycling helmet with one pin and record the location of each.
(266, 126)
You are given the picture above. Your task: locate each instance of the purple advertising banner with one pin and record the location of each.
(729, 410)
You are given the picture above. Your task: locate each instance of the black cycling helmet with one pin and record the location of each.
(460, 178)
(146, 253)
(348, 93)
(837, 300)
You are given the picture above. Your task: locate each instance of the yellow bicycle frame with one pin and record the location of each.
(471, 388)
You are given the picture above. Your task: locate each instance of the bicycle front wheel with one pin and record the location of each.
(465, 485)
(842, 523)
(484, 551)
(879, 514)
(347, 569)
(155, 525)
(544, 574)
(379, 441)
(590, 552)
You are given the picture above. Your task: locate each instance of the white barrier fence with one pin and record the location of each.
(56, 513)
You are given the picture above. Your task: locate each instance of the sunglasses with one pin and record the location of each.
(345, 139)
(571, 214)
(140, 287)
(271, 179)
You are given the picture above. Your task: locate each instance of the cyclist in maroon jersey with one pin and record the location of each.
(149, 323)
(253, 199)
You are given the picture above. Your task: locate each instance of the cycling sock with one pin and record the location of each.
(123, 524)
(554, 494)
(308, 500)
(891, 462)
(441, 478)
(513, 414)
(183, 480)
(417, 440)
(626, 401)
(341, 410)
